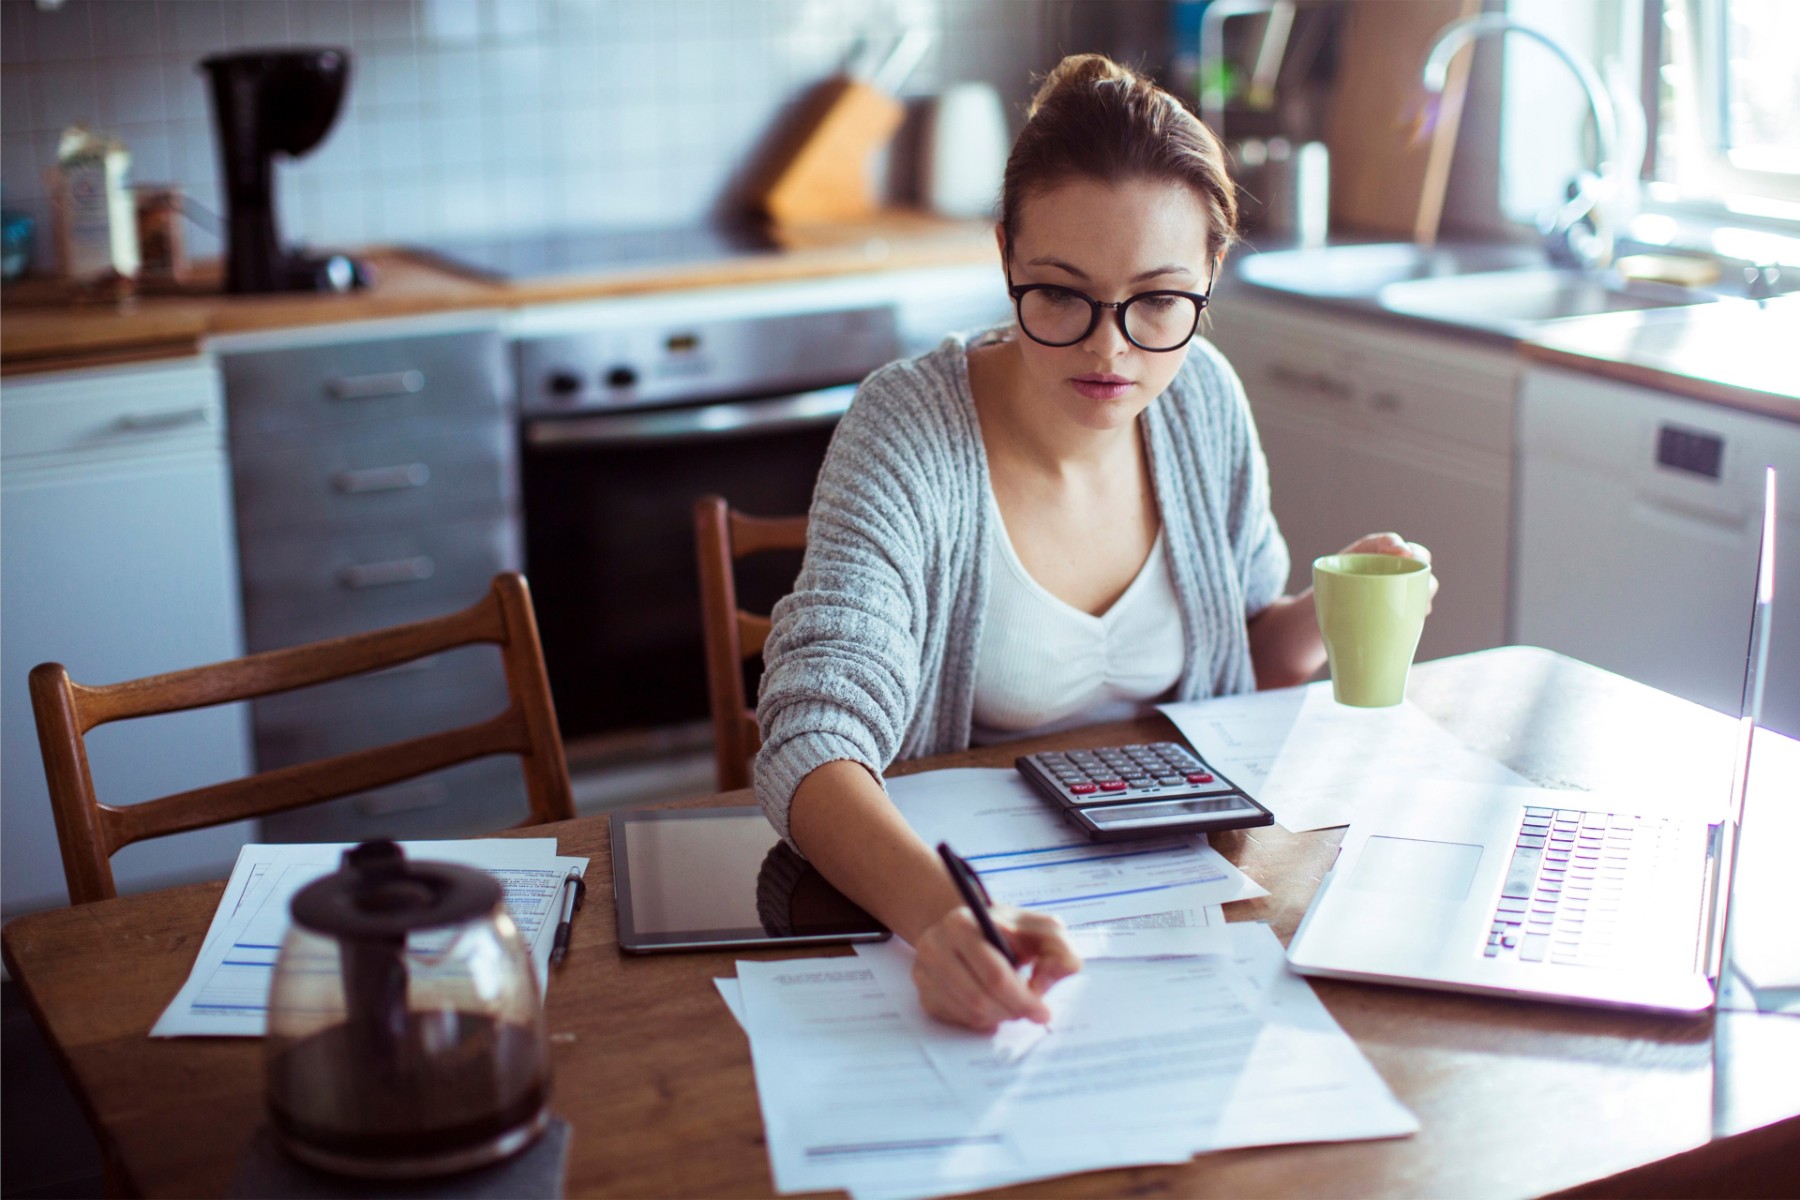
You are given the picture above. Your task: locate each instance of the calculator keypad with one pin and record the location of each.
(1116, 773)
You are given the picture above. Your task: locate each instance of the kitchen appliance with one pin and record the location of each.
(406, 1036)
(575, 252)
(1637, 516)
(267, 102)
(623, 426)
(966, 144)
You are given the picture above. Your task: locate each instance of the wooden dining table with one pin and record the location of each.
(653, 1076)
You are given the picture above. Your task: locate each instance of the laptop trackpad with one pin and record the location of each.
(1412, 867)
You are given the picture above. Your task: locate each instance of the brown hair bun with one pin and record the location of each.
(1095, 119)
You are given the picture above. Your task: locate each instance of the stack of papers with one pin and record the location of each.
(1211, 1045)
(1181, 1034)
(227, 992)
(1027, 855)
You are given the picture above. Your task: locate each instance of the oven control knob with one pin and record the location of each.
(621, 377)
(563, 384)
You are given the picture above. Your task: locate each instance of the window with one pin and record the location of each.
(1724, 106)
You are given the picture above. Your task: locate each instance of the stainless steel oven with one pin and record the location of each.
(622, 429)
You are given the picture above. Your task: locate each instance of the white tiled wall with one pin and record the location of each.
(477, 116)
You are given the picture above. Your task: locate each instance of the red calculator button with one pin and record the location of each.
(1083, 789)
(1112, 785)
(1200, 777)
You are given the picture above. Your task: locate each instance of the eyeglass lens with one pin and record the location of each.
(1062, 317)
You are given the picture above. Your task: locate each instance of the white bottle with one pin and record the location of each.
(96, 221)
(966, 144)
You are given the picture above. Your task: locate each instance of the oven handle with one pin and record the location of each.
(701, 421)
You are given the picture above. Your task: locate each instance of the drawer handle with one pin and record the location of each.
(381, 479)
(373, 387)
(155, 422)
(383, 574)
(1312, 381)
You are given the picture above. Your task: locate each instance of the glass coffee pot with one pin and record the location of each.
(406, 1037)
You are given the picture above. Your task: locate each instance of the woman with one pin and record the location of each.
(1051, 524)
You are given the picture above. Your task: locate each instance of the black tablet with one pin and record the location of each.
(705, 878)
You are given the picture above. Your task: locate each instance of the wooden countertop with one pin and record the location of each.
(41, 329)
(1737, 352)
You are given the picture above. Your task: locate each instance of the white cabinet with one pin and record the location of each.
(1639, 517)
(1370, 428)
(117, 560)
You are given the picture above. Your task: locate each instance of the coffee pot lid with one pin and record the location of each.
(378, 894)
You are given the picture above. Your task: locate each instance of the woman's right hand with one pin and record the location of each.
(962, 980)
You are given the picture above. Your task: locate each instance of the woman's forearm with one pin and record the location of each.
(845, 825)
(1285, 646)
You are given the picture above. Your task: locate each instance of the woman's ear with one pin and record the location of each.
(1000, 239)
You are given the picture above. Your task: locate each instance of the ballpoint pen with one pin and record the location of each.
(574, 891)
(969, 885)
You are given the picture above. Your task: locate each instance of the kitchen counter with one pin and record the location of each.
(1737, 353)
(42, 330)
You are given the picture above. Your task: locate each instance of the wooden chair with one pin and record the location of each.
(721, 537)
(90, 832)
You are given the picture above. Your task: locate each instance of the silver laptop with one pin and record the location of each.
(1557, 897)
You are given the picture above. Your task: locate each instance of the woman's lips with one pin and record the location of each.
(1101, 387)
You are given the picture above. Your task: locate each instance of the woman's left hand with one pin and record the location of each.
(1393, 543)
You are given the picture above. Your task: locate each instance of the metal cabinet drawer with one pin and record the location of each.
(455, 469)
(454, 687)
(466, 800)
(279, 393)
(305, 589)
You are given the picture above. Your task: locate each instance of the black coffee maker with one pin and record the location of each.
(267, 101)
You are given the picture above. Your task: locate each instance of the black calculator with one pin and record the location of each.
(1153, 789)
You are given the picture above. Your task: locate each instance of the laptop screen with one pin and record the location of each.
(1749, 713)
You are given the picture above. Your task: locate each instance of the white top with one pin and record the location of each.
(1045, 665)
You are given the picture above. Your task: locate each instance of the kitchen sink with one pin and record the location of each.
(1514, 301)
(1498, 288)
(1360, 271)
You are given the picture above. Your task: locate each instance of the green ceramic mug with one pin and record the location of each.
(1371, 611)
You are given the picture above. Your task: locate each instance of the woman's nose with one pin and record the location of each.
(1108, 335)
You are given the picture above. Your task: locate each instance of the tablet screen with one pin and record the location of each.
(689, 879)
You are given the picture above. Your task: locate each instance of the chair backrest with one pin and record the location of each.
(90, 832)
(721, 537)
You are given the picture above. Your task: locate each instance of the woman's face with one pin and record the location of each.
(1111, 241)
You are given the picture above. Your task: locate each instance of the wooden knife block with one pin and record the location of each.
(823, 174)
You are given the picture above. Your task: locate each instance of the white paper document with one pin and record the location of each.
(1145, 1060)
(1027, 855)
(226, 993)
(1311, 761)
(849, 1099)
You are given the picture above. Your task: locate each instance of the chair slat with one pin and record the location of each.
(89, 831)
(753, 633)
(752, 535)
(283, 670)
(308, 783)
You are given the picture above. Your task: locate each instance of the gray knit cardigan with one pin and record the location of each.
(872, 656)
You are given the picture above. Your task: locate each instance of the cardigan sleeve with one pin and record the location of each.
(1258, 547)
(842, 662)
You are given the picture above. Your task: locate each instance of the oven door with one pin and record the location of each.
(609, 546)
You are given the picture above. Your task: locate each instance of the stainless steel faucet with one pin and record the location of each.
(1566, 239)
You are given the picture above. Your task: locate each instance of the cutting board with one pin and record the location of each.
(1383, 179)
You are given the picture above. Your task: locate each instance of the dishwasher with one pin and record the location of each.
(1637, 518)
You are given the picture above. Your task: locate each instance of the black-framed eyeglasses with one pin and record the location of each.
(1157, 321)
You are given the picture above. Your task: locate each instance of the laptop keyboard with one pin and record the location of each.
(1568, 886)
